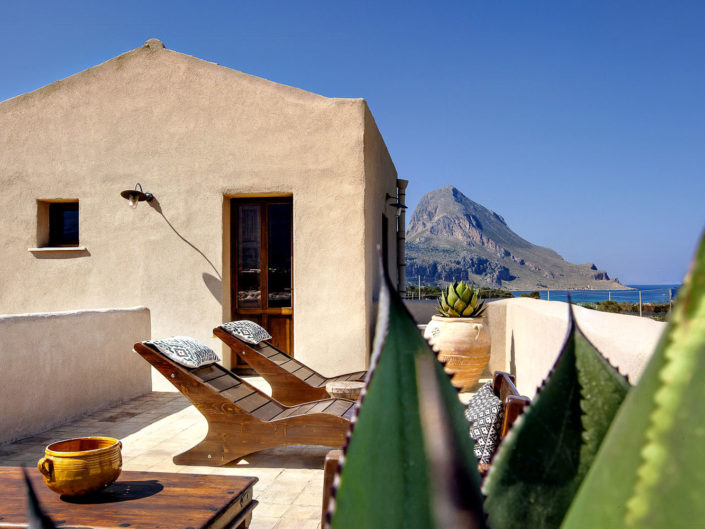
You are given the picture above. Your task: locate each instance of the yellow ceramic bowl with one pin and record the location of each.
(81, 466)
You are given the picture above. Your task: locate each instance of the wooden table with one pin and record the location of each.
(136, 500)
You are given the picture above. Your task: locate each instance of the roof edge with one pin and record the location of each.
(155, 46)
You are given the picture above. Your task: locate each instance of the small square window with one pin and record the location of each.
(63, 224)
(57, 223)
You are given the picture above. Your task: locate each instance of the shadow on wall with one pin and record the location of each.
(213, 282)
(215, 286)
(512, 357)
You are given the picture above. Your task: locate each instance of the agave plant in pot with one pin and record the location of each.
(460, 334)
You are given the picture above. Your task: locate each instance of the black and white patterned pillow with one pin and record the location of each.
(485, 413)
(247, 331)
(186, 351)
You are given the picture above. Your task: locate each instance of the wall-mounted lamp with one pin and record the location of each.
(135, 196)
(396, 204)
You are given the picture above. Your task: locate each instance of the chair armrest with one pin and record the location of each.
(514, 403)
(513, 407)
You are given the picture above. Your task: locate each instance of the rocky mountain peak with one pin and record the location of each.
(451, 237)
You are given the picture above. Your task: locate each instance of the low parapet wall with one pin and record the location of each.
(527, 335)
(57, 366)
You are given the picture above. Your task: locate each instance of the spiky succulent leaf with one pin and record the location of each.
(387, 479)
(476, 311)
(542, 462)
(452, 298)
(455, 495)
(649, 471)
(36, 518)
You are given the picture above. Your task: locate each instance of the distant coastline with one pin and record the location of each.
(662, 293)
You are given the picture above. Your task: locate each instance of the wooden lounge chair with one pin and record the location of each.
(242, 419)
(292, 382)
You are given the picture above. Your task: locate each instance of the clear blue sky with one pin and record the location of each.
(582, 123)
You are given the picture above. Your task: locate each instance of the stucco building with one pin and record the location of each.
(269, 203)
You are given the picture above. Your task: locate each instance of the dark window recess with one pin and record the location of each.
(63, 224)
(385, 241)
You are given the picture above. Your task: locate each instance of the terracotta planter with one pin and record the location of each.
(464, 346)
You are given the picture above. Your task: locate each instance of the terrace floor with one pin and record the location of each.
(155, 427)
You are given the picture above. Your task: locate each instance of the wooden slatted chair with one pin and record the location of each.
(292, 382)
(243, 420)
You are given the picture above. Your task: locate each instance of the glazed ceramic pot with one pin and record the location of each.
(80, 466)
(463, 344)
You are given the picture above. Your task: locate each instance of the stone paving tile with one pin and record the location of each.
(271, 510)
(262, 522)
(310, 498)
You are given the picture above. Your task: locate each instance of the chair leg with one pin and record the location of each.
(218, 448)
(209, 452)
(224, 445)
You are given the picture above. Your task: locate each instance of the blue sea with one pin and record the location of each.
(649, 294)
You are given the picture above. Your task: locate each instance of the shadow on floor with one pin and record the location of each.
(304, 456)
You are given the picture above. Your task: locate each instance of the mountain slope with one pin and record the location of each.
(450, 237)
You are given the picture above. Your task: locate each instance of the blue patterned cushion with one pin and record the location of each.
(247, 331)
(485, 413)
(186, 351)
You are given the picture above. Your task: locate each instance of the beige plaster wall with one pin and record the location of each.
(381, 178)
(57, 366)
(527, 335)
(193, 133)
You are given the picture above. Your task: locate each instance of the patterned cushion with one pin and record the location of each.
(485, 413)
(247, 331)
(186, 351)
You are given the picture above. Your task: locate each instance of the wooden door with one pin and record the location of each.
(261, 266)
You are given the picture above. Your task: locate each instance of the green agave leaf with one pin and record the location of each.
(387, 478)
(474, 298)
(461, 288)
(452, 297)
(443, 303)
(460, 306)
(36, 517)
(455, 485)
(649, 471)
(542, 462)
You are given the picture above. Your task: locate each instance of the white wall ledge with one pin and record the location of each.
(527, 335)
(58, 249)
